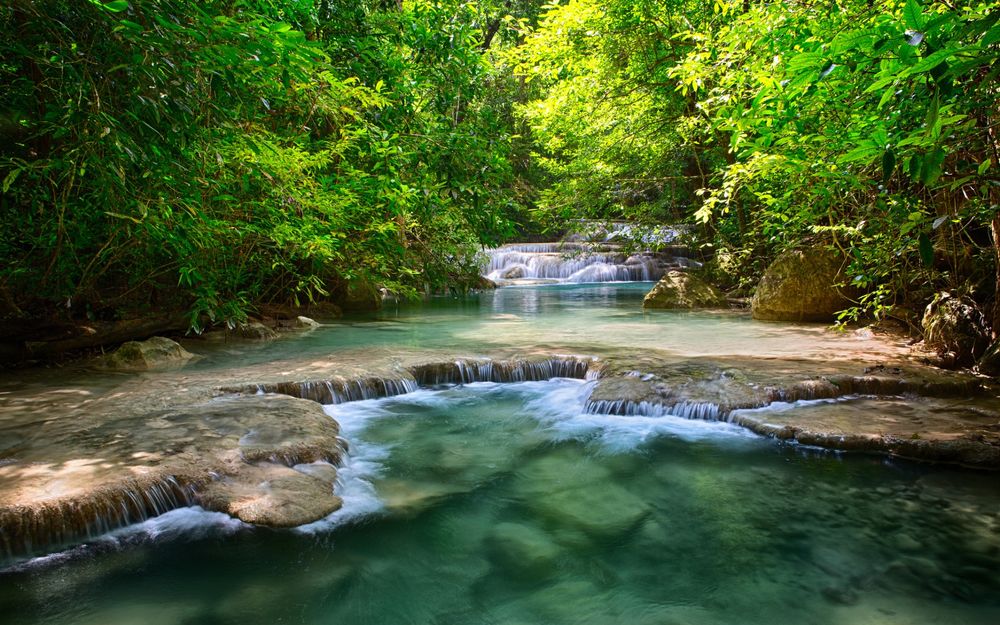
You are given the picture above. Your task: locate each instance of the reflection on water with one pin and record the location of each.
(508, 504)
(589, 317)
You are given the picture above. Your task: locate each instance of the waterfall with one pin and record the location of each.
(595, 256)
(703, 411)
(461, 371)
(25, 531)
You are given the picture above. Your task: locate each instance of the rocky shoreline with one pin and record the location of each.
(266, 452)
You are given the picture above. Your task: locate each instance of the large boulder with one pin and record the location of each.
(255, 331)
(679, 289)
(153, 353)
(360, 295)
(956, 329)
(799, 286)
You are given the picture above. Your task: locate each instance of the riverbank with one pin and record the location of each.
(204, 434)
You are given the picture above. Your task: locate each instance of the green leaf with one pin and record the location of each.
(888, 165)
(913, 15)
(926, 249)
(932, 114)
(985, 165)
(931, 170)
(11, 177)
(992, 36)
(117, 6)
(864, 152)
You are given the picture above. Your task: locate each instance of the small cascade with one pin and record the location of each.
(468, 371)
(462, 371)
(595, 256)
(338, 391)
(24, 532)
(704, 411)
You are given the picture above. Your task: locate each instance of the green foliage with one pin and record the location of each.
(214, 155)
(871, 124)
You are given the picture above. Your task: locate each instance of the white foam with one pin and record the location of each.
(355, 488)
(191, 522)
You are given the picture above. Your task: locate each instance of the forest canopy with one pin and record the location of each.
(213, 156)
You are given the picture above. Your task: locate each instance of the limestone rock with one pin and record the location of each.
(149, 354)
(513, 273)
(956, 329)
(679, 289)
(305, 323)
(571, 495)
(798, 286)
(525, 549)
(255, 331)
(272, 495)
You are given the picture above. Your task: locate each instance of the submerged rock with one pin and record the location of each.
(799, 286)
(956, 329)
(149, 354)
(680, 289)
(524, 549)
(570, 494)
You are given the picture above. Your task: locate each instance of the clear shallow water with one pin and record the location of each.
(583, 317)
(505, 504)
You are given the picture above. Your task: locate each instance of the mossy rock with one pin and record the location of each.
(679, 289)
(361, 296)
(153, 353)
(956, 329)
(799, 286)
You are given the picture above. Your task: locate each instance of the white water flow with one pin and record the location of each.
(596, 256)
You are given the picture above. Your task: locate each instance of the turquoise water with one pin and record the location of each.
(505, 504)
(589, 318)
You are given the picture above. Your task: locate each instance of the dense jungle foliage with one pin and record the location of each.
(212, 156)
(869, 125)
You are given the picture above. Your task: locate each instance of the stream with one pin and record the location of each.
(514, 504)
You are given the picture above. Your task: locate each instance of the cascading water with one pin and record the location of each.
(596, 256)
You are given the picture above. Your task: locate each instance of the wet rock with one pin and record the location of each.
(840, 595)
(956, 329)
(305, 323)
(153, 353)
(231, 454)
(798, 286)
(679, 289)
(524, 549)
(255, 331)
(272, 495)
(905, 542)
(623, 390)
(410, 498)
(514, 273)
(602, 510)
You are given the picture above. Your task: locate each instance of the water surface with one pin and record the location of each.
(506, 504)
